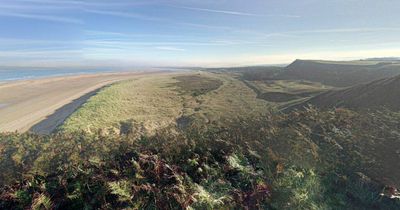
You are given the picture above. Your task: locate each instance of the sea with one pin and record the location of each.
(27, 74)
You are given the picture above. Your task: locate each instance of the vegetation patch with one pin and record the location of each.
(197, 85)
(285, 91)
(289, 86)
(147, 101)
(279, 97)
(154, 101)
(302, 160)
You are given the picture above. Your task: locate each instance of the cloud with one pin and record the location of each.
(76, 2)
(170, 48)
(219, 11)
(39, 54)
(156, 19)
(345, 30)
(35, 7)
(123, 14)
(126, 36)
(8, 41)
(237, 13)
(285, 16)
(87, 3)
(42, 17)
(104, 33)
(299, 33)
(196, 25)
(127, 43)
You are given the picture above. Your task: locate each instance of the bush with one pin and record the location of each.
(302, 160)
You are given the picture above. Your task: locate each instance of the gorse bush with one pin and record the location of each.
(301, 160)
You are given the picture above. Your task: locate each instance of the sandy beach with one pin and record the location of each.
(45, 103)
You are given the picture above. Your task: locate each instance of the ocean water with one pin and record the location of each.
(21, 74)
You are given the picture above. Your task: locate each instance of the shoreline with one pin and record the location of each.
(30, 103)
(61, 77)
(29, 73)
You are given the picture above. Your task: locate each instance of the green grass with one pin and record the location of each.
(233, 99)
(148, 100)
(157, 101)
(285, 92)
(289, 86)
(197, 85)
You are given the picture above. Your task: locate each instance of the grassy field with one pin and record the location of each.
(285, 92)
(197, 85)
(289, 86)
(157, 101)
(148, 100)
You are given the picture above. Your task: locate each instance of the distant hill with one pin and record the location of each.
(339, 74)
(384, 59)
(251, 73)
(380, 93)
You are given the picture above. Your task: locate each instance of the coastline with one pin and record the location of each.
(42, 104)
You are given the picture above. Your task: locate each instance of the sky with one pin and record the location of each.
(194, 32)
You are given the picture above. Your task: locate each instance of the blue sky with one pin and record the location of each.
(194, 32)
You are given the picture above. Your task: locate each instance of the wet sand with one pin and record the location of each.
(43, 104)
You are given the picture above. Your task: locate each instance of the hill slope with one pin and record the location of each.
(380, 93)
(339, 74)
(308, 159)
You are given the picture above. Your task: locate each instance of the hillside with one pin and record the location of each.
(337, 159)
(250, 73)
(339, 74)
(157, 101)
(392, 59)
(377, 94)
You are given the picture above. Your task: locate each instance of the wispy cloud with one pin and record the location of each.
(41, 54)
(227, 12)
(156, 19)
(13, 41)
(170, 48)
(197, 25)
(236, 13)
(35, 7)
(123, 14)
(104, 33)
(77, 2)
(125, 35)
(89, 3)
(345, 30)
(126, 43)
(42, 17)
(299, 33)
(284, 16)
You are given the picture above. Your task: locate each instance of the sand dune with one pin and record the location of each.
(26, 103)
